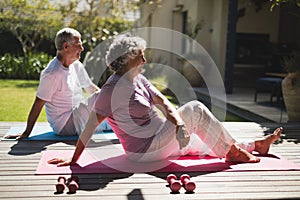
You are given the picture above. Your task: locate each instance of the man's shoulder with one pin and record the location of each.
(53, 67)
(77, 64)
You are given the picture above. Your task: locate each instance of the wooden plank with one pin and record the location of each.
(18, 162)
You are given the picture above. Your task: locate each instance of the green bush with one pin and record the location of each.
(23, 67)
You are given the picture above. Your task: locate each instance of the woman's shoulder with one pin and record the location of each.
(111, 81)
(114, 78)
(141, 78)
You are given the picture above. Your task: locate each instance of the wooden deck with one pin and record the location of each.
(19, 160)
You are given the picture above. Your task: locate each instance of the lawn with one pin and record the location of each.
(17, 97)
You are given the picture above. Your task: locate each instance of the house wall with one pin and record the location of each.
(214, 14)
(219, 33)
(289, 30)
(263, 21)
(254, 50)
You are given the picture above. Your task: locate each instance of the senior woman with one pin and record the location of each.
(128, 101)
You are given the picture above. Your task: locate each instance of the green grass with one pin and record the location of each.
(16, 99)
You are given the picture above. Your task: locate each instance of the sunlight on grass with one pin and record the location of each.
(17, 97)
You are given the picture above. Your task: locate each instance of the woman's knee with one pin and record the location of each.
(198, 105)
(192, 106)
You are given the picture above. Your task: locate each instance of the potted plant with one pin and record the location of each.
(291, 86)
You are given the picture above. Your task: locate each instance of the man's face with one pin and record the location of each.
(74, 49)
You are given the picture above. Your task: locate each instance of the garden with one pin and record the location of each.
(27, 31)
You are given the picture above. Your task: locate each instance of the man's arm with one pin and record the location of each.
(93, 121)
(92, 88)
(32, 117)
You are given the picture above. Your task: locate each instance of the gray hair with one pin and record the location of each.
(123, 48)
(65, 35)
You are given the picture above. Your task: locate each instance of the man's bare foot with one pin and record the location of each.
(237, 154)
(262, 146)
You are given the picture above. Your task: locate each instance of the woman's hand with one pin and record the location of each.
(182, 136)
(61, 161)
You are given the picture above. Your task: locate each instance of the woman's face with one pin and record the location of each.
(137, 62)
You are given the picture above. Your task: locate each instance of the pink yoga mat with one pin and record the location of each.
(88, 163)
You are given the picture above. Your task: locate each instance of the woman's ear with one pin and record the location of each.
(65, 45)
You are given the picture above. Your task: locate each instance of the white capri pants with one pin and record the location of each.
(208, 137)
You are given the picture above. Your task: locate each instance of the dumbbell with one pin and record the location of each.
(61, 185)
(73, 184)
(188, 185)
(174, 184)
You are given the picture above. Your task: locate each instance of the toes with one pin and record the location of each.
(242, 156)
(276, 134)
(254, 160)
(277, 130)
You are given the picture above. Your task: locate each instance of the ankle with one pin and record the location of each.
(234, 150)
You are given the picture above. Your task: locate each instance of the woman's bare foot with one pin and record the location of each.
(262, 146)
(237, 154)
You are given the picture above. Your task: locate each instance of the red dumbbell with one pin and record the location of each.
(61, 185)
(174, 184)
(188, 185)
(73, 184)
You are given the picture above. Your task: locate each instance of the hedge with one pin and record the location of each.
(23, 67)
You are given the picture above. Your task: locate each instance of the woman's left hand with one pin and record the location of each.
(182, 136)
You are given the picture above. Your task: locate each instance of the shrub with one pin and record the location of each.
(292, 63)
(23, 67)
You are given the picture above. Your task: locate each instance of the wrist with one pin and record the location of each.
(25, 134)
(73, 161)
(180, 123)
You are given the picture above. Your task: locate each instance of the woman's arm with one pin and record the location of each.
(170, 112)
(168, 109)
(93, 121)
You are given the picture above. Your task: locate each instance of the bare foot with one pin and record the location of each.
(262, 146)
(237, 154)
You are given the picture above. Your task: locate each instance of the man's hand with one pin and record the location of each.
(61, 162)
(18, 136)
(182, 136)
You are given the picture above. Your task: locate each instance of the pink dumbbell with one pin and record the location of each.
(73, 184)
(188, 185)
(174, 184)
(61, 185)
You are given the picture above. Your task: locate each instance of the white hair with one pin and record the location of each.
(123, 48)
(65, 35)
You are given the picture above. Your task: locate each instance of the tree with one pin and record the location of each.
(99, 20)
(30, 22)
(280, 2)
(34, 21)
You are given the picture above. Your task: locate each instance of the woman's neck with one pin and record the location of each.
(127, 73)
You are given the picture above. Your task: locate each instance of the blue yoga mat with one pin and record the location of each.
(45, 132)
